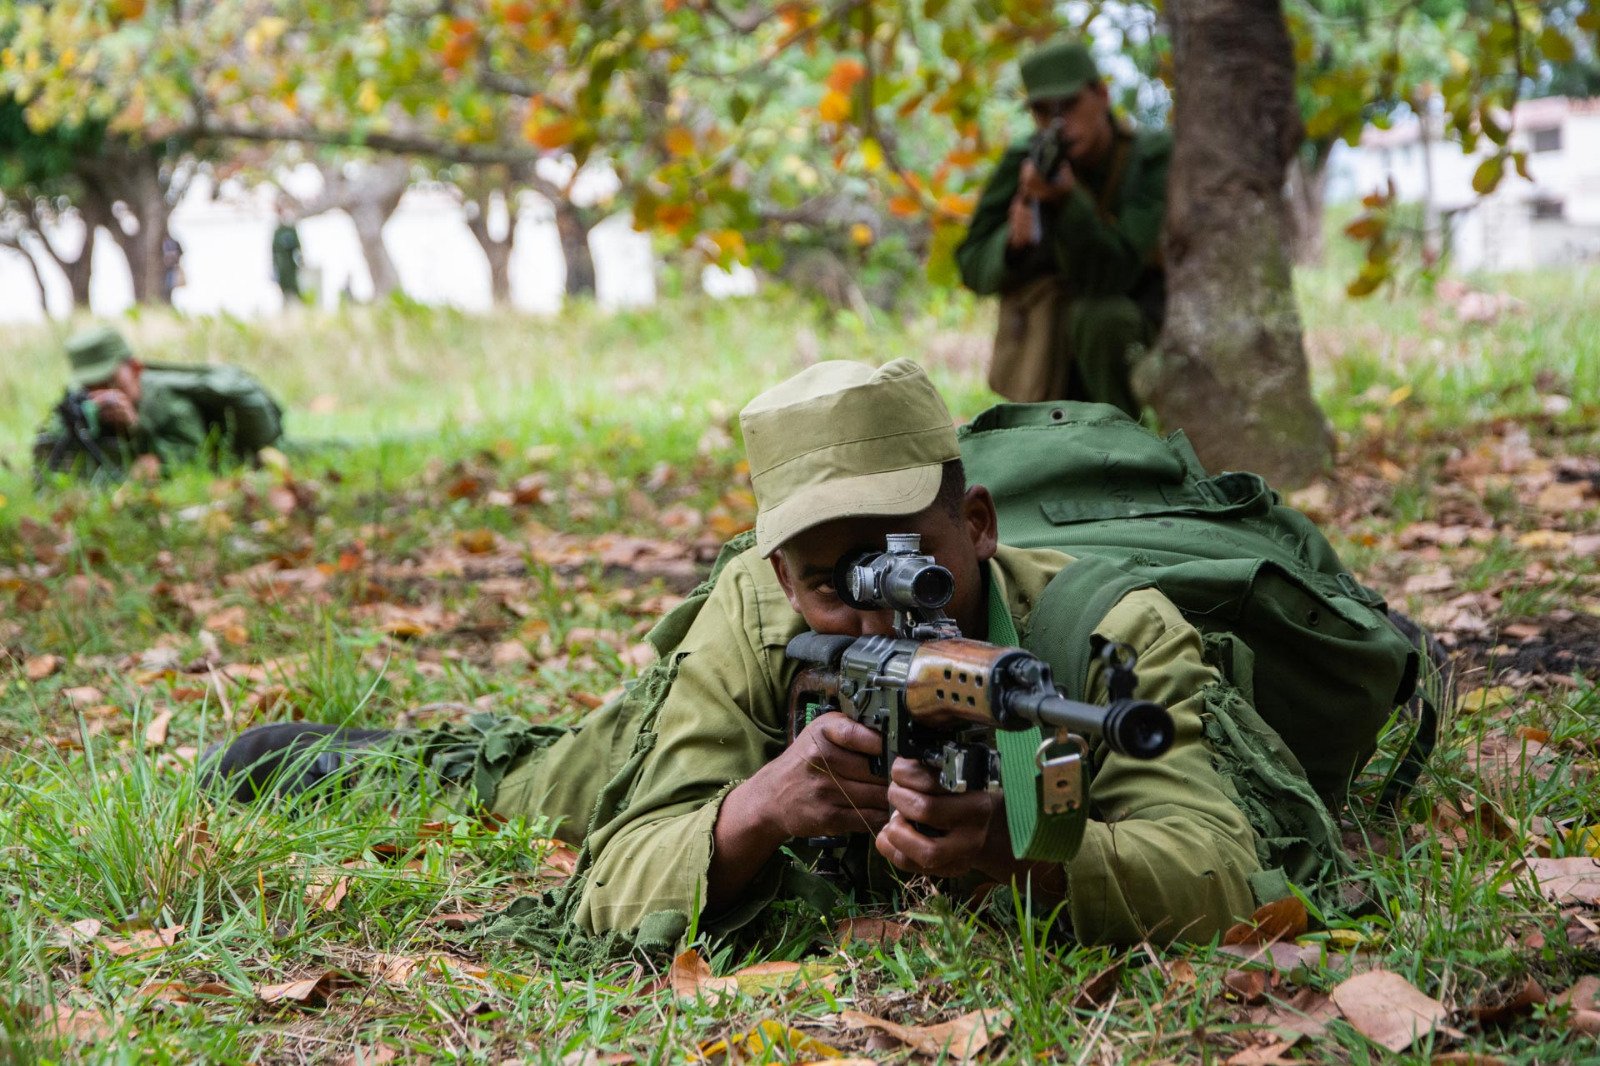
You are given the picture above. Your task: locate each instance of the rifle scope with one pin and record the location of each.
(899, 579)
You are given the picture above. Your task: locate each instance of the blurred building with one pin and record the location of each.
(1551, 219)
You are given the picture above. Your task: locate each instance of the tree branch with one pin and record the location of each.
(397, 143)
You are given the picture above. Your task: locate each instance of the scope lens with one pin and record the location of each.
(933, 586)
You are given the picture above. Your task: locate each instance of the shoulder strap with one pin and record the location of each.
(1121, 148)
(1062, 628)
(1065, 618)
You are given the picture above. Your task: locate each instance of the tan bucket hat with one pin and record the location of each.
(845, 440)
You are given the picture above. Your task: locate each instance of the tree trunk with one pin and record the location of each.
(132, 177)
(369, 217)
(497, 250)
(1306, 196)
(94, 211)
(369, 198)
(1231, 370)
(15, 244)
(572, 226)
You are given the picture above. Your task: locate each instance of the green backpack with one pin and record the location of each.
(1310, 647)
(233, 404)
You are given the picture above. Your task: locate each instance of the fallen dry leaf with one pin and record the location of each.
(1466, 1058)
(690, 977)
(41, 666)
(142, 941)
(1306, 1014)
(591, 1057)
(1096, 992)
(325, 892)
(180, 992)
(1570, 880)
(65, 1022)
(1282, 919)
(1249, 985)
(559, 858)
(155, 733)
(960, 1038)
(870, 931)
(1506, 1008)
(83, 696)
(79, 932)
(1387, 1009)
(1269, 1054)
(309, 991)
(455, 921)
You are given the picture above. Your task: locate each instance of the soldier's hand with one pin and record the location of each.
(971, 825)
(822, 784)
(1019, 223)
(114, 408)
(1032, 185)
(146, 469)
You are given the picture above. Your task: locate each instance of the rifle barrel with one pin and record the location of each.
(1136, 728)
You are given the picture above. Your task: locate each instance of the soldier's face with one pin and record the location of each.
(1085, 121)
(960, 541)
(125, 379)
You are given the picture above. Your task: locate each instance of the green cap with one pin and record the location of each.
(1057, 70)
(845, 440)
(95, 355)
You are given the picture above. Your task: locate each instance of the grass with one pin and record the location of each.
(387, 573)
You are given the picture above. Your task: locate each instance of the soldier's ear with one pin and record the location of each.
(981, 521)
(781, 568)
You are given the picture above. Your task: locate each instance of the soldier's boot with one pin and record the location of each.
(285, 758)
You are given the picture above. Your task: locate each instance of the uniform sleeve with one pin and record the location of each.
(720, 722)
(1101, 258)
(981, 255)
(1169, 854)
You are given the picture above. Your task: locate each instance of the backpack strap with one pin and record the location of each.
(1060, 632)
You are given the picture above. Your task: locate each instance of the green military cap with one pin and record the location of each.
(95, 355)
(1057, 70)
(845, 440)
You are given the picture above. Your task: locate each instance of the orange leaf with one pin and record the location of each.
(904, 206)
(679, 141)
(557, 133)
(835, 106)
(1282, 919)
(956, 206)
(845, 74)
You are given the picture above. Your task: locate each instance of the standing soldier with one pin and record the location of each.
(1067, 234)
(286, 257)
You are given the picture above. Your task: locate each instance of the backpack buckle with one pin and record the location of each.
(1060, 759)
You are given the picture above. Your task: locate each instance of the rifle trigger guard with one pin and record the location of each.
(1060, 759)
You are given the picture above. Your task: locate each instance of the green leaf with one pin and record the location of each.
(1521, 160)
(1555, 46)
(1487, 176)
(1491, 126)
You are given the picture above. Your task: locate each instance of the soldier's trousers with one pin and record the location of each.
(516, 769)
(1099, 335)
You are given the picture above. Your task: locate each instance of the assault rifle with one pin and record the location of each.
(938, 697)
(63, 453)
(1046, 155)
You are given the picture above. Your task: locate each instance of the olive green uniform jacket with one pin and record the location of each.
(1169, 856)
(1072, 305)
